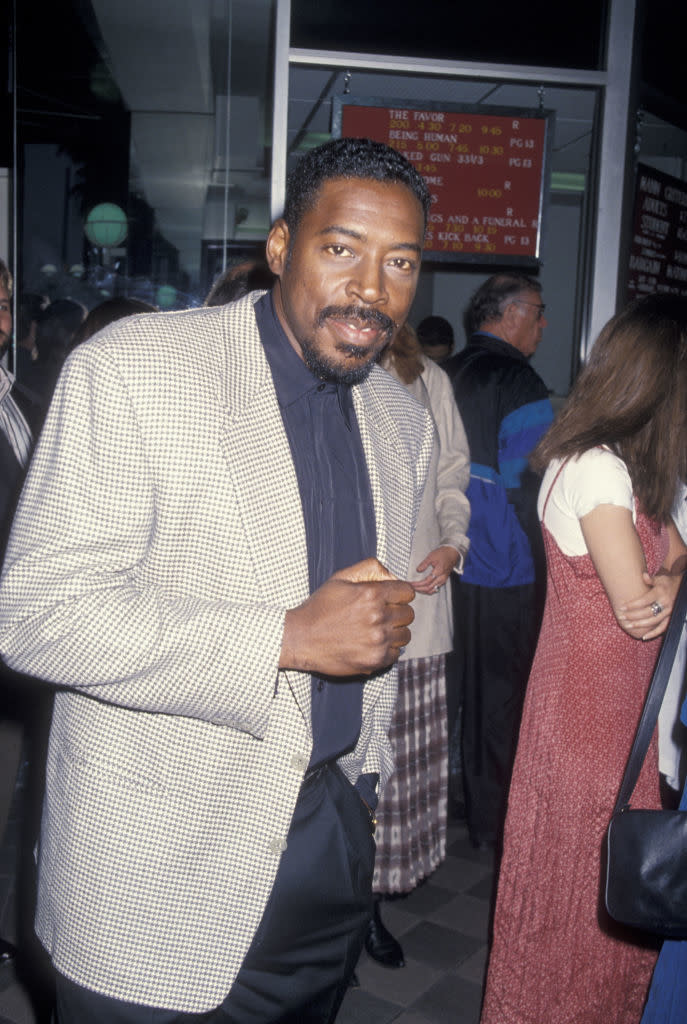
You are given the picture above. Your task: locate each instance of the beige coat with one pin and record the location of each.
(445, 511)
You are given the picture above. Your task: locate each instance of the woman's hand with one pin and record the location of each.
(649, 614)
(441, 563)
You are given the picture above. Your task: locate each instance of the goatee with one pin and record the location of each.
(324, 367)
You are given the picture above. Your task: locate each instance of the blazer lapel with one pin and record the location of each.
(392, 482)
(259, 458)
(391, 478)
(257, 452)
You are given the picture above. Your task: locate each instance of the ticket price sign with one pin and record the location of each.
(658, 252)
(486, 168)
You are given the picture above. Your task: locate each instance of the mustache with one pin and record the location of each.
(373, 317)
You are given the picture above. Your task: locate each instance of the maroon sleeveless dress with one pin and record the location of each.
(556, 957)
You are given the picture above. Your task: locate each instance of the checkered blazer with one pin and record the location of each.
(158, 542)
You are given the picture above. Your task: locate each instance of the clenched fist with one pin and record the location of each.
(354, 624)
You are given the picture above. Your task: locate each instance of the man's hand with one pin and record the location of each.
(354, 624)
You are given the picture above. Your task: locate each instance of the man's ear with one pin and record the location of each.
(277, 246)
(510, 320)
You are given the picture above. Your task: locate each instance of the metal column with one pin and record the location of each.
(615, 167)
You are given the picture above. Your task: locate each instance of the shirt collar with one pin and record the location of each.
(498, 344)
(6, 381)
(293, 380)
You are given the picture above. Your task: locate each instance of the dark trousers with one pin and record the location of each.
(300, 962)
(496, 631)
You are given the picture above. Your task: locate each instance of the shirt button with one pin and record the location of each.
(321, 387)
(299, 763)
(277, 845)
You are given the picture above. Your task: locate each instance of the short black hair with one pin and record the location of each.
(435, 330)
(348, 158)
(491, 298)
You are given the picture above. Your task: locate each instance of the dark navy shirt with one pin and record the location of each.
(336, 498)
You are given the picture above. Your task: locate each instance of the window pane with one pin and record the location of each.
(157, 115)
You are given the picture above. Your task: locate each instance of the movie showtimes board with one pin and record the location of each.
(486, 168)
(658, 252)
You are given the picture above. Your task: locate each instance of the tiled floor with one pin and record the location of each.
(442, 926)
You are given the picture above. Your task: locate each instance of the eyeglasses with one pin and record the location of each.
(539, 306)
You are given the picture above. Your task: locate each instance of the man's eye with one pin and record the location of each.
(402, 263)
(338, 250)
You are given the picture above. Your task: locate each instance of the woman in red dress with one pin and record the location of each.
(612, 461)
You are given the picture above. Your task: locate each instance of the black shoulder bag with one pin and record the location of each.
(646, 851)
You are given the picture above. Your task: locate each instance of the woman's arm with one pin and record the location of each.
(662, 590)
(451, 506)
(616, 551)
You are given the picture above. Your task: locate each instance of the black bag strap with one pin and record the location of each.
(654, 698)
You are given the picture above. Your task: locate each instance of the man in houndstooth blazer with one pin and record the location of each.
(157, 574)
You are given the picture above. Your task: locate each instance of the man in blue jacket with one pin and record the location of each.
(499, 601)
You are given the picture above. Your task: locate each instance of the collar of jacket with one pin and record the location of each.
(492, 343)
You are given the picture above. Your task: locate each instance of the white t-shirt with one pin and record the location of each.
(597, 477)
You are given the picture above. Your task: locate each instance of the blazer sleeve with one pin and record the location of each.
(79, 604)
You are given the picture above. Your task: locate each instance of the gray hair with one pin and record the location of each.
(490, 300)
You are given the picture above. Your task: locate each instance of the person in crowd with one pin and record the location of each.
(672, 735)
(239, 280)
(15, 449)
(108, 312)
(31, 306)
(209, 560)
(411, 815)
(57, 325)
(667, 997)
(498, 601)
(435, 334)
(614, 561)
(15, 433)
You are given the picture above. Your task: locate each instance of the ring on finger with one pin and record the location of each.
(656, 608)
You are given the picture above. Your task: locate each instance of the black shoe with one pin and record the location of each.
(483, 845)
(7, 952)
(380, 943)
(456, 810)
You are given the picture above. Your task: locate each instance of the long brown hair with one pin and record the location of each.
(404, 354)
(632, 397)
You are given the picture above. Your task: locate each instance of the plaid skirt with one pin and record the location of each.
(411, 816)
